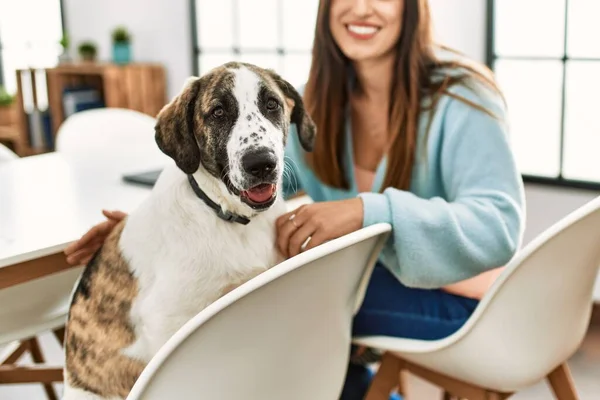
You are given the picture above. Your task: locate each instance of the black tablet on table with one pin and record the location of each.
(147, 178)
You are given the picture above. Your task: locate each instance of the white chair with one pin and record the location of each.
(526, 327)
(6, 154)
(283, 335)
(109, 136)
(26, 311)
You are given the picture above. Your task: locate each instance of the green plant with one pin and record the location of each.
(87, 50)
(121, 35)
(6, 99)
(65, 42)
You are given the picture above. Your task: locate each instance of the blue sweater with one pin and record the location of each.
(464, 212)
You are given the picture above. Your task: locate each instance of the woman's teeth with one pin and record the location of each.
(363, 30)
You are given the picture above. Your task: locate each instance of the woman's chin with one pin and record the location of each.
(364, 55)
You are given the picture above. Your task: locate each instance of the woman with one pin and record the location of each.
(410, 135)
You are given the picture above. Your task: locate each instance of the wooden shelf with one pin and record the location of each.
(8, 133)
(9, 127)
(136, 86)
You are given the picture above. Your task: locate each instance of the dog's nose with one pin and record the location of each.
(259, 163)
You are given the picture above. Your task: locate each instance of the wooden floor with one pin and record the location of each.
(585, 366)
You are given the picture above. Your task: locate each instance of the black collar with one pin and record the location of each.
(224, 215)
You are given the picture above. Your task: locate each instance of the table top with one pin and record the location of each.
(50, 200)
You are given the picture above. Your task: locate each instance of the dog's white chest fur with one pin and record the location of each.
(185, 257)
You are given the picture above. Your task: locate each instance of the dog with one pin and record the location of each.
(207, 226)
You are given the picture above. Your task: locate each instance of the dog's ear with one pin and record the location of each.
(306, 127)
(174, 130)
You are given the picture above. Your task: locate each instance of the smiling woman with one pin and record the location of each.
(411, 134)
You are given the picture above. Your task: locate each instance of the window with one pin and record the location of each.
(275, 34)
(547, 61)
(30, 31)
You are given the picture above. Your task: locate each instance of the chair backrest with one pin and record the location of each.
(537, 312)
(109, 135)
(283, 335)
(6, 154)
(36, 306)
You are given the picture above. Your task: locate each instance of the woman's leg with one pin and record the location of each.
(392, 309)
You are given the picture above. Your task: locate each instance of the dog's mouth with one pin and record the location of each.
(260, 196)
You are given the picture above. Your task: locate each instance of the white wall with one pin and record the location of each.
(461, 24)
(160, 30)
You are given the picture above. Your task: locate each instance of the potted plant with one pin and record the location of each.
(121, 41)
(7, 108)
(65, 44)
(88, 51)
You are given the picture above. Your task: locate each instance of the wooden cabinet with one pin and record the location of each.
(140, 87)
(9, 127)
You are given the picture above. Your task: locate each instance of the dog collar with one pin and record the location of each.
(224, 215)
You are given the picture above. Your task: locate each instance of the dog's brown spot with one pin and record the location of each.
(174, 130)
(290, 106)
(98, 327)
(219, 80)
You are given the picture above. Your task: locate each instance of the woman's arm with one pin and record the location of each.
(477, 226)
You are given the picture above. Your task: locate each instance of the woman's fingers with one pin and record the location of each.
(97, 233)
(101, 229)
(84, 255)
(287, 228)
(283, 219)
(299, 237)
(114, 215)
(80, 257)
(318, 238)
(284, 233)
(85, 239)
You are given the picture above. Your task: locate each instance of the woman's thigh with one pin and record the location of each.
(392, 309)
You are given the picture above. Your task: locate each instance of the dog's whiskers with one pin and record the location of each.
(288, 164)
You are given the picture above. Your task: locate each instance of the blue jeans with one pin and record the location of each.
(392, 309)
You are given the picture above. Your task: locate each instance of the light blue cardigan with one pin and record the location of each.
(464, 213)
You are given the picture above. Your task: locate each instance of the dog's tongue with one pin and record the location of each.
(261, 193)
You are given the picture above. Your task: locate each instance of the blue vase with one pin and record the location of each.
(121, 53)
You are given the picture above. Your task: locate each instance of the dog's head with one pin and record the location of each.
(233, 122)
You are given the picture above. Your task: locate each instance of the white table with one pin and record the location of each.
(50, 200)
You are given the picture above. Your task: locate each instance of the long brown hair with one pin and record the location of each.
(417, 75)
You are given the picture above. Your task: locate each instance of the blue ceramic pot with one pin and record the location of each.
(121, 53)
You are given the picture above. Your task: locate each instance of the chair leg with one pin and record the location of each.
(387, 378)
(16, 354)
(38, 358)
(60, 335)
(562, 384)
(448, 396)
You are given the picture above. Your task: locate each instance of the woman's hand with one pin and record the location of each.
(81, 251)
(320, 222)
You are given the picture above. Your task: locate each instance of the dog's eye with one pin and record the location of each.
(272, 105)
(218, 112)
